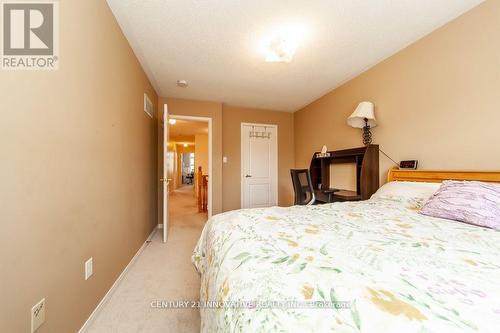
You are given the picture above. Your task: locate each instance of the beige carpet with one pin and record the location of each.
(162, 272)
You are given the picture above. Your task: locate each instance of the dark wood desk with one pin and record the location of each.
(335, 195)
(345, 195)
(366, 160)
(326, 195)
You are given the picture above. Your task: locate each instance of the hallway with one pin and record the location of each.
(162, 272)
(183, 209)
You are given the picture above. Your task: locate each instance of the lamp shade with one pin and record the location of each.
(365, 110)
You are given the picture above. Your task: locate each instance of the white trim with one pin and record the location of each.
(210, 151)
(241, 159)
(165, 172)
(111, 290)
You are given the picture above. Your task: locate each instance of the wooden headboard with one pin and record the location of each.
(434, 176)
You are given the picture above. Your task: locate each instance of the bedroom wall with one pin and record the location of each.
(232, 118)
(77, 173)
(436, 100)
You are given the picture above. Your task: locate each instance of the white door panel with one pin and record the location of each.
(259, 159)
(259, 165)
(165, 180)
(258, 195)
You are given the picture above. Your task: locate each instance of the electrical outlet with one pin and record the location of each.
(89, 269)
(37, 315)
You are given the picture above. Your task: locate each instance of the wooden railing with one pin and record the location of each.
(202, 191)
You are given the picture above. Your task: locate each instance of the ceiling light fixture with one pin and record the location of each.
(172, 121)
(282, 45)
(182, 83)
(185, 145)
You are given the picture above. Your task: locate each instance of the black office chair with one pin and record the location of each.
(302, 185)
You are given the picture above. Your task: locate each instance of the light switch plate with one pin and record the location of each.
(37, 315)
(89, 269)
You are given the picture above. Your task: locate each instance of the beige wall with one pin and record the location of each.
(200, 155)
(201, 152)
(184, 107)
(77, 180)
(232, 119)
(436, 101)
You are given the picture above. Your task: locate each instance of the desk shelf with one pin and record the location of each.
(367, 173)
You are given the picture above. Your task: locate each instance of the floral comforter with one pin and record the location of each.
(384, 267)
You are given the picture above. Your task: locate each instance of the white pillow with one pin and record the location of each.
(418, 190)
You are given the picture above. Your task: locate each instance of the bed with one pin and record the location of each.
(369, 266)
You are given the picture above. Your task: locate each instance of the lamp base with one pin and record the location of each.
(367, 134)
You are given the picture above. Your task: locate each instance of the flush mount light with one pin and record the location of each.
(172, 121)
(282, 45)
(185, 145)
(182, 83)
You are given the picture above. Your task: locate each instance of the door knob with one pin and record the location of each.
(248, 176)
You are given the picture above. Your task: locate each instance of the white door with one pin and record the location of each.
(165, 181)
(259, 165)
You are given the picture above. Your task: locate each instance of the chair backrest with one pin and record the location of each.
(302, 185)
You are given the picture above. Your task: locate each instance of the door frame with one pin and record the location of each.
(242, 171)
(210, 151)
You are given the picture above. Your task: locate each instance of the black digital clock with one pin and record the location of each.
(411, 164)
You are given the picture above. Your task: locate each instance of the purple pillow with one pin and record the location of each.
(466, 201)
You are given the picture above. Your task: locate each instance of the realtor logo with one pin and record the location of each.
(30, 35)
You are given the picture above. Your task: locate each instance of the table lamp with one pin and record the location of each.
(364, 117)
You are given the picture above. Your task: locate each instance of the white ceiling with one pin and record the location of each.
(214, 44)
(185, 130)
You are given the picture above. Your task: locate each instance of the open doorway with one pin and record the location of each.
(188, 166)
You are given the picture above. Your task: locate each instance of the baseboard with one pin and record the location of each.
(115, 284)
